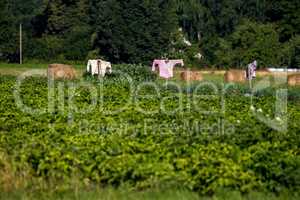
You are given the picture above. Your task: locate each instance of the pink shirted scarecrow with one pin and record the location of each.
(166, 67)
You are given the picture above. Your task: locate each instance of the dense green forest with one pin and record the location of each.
(227, 33)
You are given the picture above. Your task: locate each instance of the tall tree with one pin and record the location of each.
(287, 15)
(134, 31)
(251, 41)
(295, 52)
(8, 33)
(57, 20)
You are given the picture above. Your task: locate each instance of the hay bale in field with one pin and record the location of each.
(263, 72)
(191, 76)
(61, 71)
(232, 76)
(294, 80)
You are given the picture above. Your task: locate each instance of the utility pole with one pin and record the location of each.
(21, 58)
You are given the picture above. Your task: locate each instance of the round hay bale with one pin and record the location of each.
(263, 72)
(294, 80)
(61, 71)
(191, 76)
(232, 76)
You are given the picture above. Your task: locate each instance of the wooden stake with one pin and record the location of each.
(21, 58)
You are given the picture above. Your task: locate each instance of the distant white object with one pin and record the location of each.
(283, 70)
(276, 69)
(186, 42)
(198, 56)
(199, 36)
(293, 70)
(99, 67)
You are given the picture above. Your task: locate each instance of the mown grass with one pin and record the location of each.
(23, 66)
(105, 194)
(123, 194)
(33, 65)
(16, 69)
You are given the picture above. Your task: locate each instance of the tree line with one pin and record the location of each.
(226, 33)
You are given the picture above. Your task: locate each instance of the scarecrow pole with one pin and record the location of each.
(249, 77)
(21, 56)
(167, 79)
(99, 68)
(250, 84)
(251, 73)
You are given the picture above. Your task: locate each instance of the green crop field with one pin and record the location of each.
(132, 135)
(108, 127)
